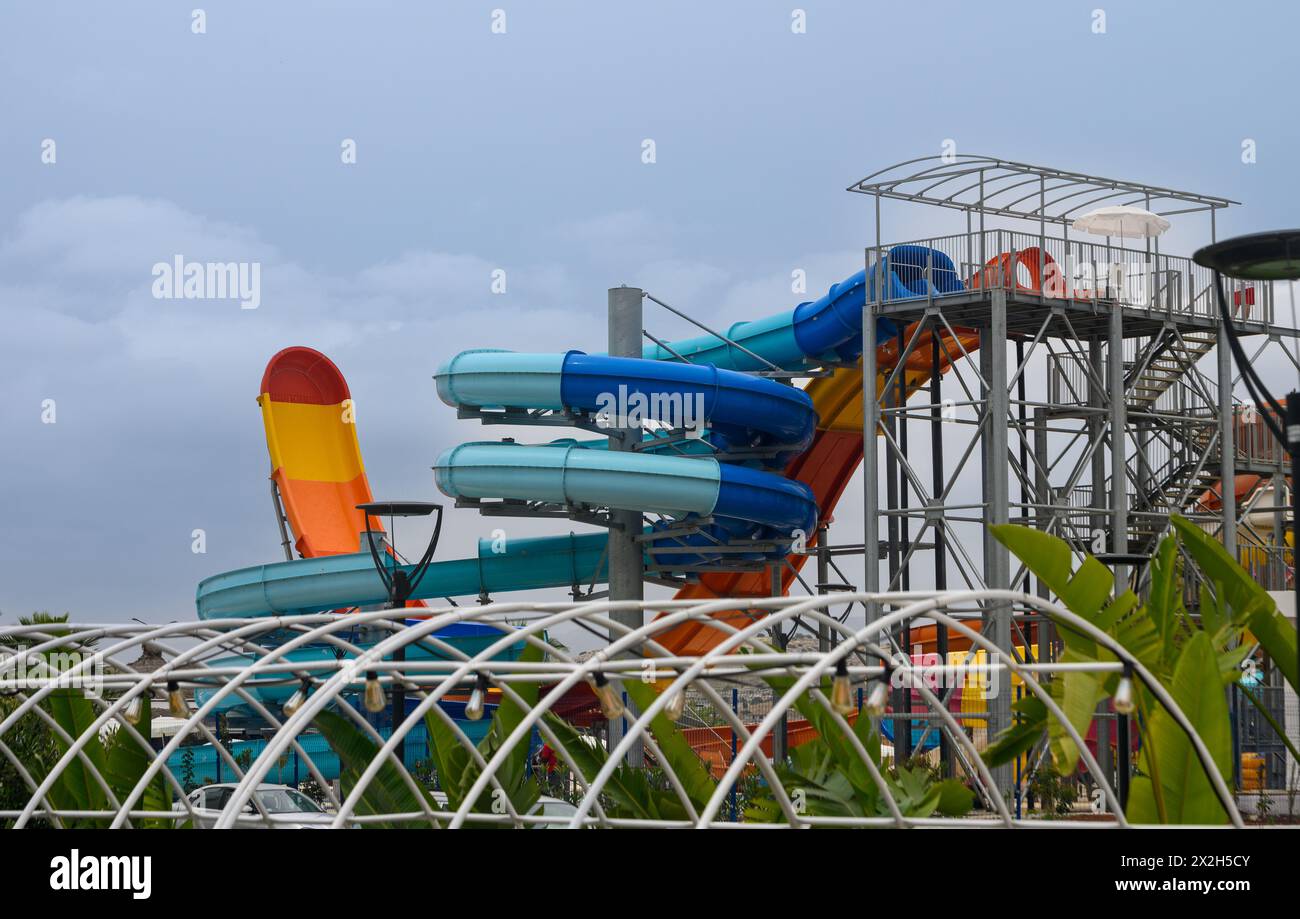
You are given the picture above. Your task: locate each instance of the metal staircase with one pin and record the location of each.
(1170, 358)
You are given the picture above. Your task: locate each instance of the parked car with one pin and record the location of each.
(286, 808)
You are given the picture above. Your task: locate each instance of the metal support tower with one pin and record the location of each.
(1116, 408)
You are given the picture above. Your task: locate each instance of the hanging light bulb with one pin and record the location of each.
(297, 699)
(477, 698)
(611, 706)
(676, 706)
(176, 700)
(842, 689)
(878, 698)
(134, 709)
(374, 698)
(1123, 698)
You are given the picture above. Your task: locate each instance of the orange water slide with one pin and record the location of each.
(316, 463)
(826, 467)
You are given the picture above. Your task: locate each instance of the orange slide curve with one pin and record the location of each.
(316, 463)
(315, 457)
(826, 467)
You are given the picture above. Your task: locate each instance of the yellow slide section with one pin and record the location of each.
(311, 435)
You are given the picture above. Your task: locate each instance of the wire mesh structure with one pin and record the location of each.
(197, 656)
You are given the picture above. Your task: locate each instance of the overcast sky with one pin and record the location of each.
(478, 151)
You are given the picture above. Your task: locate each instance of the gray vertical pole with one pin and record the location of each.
(1276, 559)
(823, 584)
(1118, 426)
(1042, 496)
(1227, 444)
(997, 561)
(625, 558)
(940, 529)
(780, 737)
(1118, 510)
(870, 422)
(1096, 520)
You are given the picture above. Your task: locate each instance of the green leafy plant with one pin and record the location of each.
(638, 793)
(32, 743)
(827, 777)
(1193, 660)
(119, 759)
(1055, 795)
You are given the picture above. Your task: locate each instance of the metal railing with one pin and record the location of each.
(1074, 270)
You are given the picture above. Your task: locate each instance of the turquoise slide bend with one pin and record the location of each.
(829, 327)
(741, 417)
(310, 585)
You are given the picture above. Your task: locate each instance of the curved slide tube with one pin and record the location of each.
(745, 416)
(744, 413)
(826, 329)
(319, 584)
(808, 334)
(315, 457)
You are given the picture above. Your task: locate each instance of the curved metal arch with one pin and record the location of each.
(534, 717)
(639, 638)
(428, 701)
(259, 767)
(753, 742)
(195, 722)
(76, 747)
(372, 659)
(112, 712)
(809, 671)
(221, 751)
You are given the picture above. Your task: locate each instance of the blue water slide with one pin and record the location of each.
(752, 503)
(745, 414)
(726, 502)
(828, 328)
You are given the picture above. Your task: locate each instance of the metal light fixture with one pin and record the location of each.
(676, 706)
(374, 695)
(611, 706)
(842, 689)
(1123, 698)
(134, 709)
(176, 700)
(878, 698)
(398, 583)
(297, 699)
(477, 699)
(1270, 256)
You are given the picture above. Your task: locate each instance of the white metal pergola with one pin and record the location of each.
(191, 652)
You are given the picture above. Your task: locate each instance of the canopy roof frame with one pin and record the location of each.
(930, 180)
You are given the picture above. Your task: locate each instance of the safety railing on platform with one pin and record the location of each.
(1067, 269)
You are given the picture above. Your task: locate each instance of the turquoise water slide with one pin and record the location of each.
(727, 478)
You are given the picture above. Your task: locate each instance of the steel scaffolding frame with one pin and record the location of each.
(1045, 417)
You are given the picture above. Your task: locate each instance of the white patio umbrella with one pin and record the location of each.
(1122, 220)
(1126, 221)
